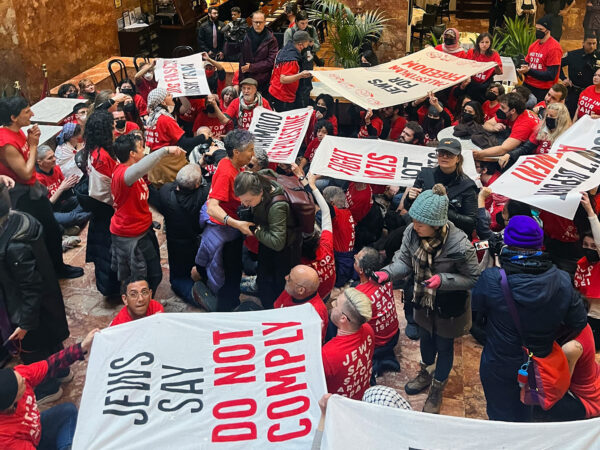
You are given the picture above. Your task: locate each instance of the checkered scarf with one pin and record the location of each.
(428, 249)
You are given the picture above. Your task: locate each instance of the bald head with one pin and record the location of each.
(302, 282)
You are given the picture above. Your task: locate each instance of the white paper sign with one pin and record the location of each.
(583, 134)
(509, 72)
(552, 182)
(280, 134)
(53, 109)
(182, 77)
(401, 80)
(47, 132)
(350, 424)
(377, 162)
(219, 380)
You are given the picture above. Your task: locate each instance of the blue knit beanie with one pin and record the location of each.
(431, 207)
(523, 232)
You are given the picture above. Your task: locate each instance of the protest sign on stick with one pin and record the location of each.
(401, 80)
(552, 182)
(182, 77)
(221, 380)
(280, 135)
(377, 162)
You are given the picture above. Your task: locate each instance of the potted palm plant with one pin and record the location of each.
(347, 31)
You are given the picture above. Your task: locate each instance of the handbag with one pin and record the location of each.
(543, 381)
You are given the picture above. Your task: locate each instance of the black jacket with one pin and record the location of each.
(205, 37)
(28, 284)
(462, 193)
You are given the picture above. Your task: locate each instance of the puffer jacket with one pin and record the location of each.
(457, 267)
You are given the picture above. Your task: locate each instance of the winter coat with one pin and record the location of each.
(28, 284)
(261, 61)
(457, 266)
(289, 34)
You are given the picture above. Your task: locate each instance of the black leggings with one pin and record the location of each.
(566, 409)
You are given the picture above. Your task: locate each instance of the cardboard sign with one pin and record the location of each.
(377, 162)
(350, 424)
(582, 135)
(280, 135)
(401, 80)
(182, 77)
(552, 182)
(219, 380)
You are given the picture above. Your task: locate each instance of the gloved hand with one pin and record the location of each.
(434, 282)
(381, 277)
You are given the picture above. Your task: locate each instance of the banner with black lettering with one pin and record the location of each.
(401, 80)
(182, 77)
(552, 182)
(582, 135)
(351, 424)
(220, 380)
(280, 134)
(377, 162)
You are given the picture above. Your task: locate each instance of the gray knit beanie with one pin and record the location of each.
(431, 207)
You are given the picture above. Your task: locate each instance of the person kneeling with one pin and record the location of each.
(138, 300)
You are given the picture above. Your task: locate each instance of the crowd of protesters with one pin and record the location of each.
(234, 232)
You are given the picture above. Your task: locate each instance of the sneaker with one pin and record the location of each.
(48, 392)
(204, 296)
(68, 271)
(64, 375)
(248, 286)
(412, 331)
(70, 242)
(72, 231)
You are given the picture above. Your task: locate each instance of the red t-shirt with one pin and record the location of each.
(164, 132)
(222, 188)
(540, 57)
(489, 111)
(154, 307)
(587, 278)
(376, 123)
(22, 429)
(543, 146)
(348, 362)
(343, 229)
(103, 162)
(196, 104)
(284, 92)
(585, 381)
(140, 104)
(132, 215)
(218, 129)
(589, 102)
(233, 111)
(19, 141)
(397, 128)
(324, 264)
(460, 53)
(144, 87)
(559, 228)
(129, 127)
(285, 300)
(51, 180)
(522, 126)
(482, 77)
(359, 202)
(385, 317)
(309, 153)
(333, 120)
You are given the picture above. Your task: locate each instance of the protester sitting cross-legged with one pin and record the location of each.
(137, 297)
(444, 265)
(544, 300)
(347, 358)
(22, 426)
(301, 286)
(385, 317)
(279, 238)
(180, 204)
(219, 257)
(134, 247)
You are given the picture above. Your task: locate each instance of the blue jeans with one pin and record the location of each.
(183, 288)
(77, 216)
(58, 427)
(432, 345)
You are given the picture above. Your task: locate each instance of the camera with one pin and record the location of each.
(204, 148)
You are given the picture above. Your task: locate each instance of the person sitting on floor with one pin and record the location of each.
(137, 297)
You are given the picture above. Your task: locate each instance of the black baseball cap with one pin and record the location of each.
(450, 145)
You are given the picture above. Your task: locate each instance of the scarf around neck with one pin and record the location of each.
(429, 249)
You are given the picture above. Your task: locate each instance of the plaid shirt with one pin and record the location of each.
(64, 358)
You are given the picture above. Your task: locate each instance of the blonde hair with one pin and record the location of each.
(359, 306)
(563, 122)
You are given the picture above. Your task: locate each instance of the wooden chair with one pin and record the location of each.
(443, 9)
(423, 29)
(182, 50)
(121, 72)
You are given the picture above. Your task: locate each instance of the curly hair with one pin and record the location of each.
(99, 133)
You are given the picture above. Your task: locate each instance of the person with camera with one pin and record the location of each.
(208, 154)
(234, 32)
(208, 117)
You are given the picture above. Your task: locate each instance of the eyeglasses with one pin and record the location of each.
(250, 166)
(445, 154)
(135, 294)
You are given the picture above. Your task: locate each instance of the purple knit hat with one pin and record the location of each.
(523, 232)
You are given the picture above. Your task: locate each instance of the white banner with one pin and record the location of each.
(552, 182)
(351, 424)
(582, 135)
(182, 77)
(401, 80)
(280, 134)
(219, 380)
(377, 162)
